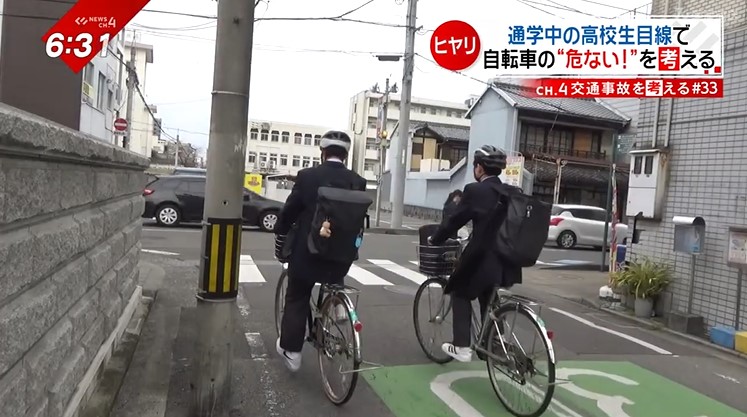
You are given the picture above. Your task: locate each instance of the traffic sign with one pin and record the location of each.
(120, 124)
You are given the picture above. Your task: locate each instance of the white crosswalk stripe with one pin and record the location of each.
(390, 266)
(248, 270)
(366, 277)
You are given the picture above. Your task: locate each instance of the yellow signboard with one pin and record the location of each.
(513, 174)
(253, 182)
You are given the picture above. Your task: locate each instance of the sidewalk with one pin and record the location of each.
(575, 285)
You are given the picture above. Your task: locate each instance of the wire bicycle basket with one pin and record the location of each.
(438, 261)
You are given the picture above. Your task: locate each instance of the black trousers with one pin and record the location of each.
(462, 310)
(296, 313)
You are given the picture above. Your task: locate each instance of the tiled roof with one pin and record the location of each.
(448, 132)
(585, 108)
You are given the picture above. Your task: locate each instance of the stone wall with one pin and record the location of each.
(70, 225)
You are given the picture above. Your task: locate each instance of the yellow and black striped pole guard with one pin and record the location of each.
(220, 274)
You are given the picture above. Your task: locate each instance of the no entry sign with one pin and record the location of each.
(120, 124)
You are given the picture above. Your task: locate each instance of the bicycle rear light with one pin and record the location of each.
(358, 326)
(550, 334)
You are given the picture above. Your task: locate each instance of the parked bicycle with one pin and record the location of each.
(332, 310)
(510, 367)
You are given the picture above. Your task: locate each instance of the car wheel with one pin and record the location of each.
(567, 240)
(168, 215)
(267, 221)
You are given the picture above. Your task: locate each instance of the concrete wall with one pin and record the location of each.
(708, 175)
(70, 210)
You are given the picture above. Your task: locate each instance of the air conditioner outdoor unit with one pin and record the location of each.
(262, 164)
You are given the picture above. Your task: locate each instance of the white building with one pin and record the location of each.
(103, 91)
(144, 135)
(283, 148)
(364, 108)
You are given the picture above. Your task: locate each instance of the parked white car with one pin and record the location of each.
(576, 225)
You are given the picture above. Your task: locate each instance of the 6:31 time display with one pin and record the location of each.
(80, 45)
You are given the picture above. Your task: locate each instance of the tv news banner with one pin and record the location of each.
(86, 29)
(667, 57)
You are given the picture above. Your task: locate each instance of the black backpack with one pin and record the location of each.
(346, 210)
(523, 232)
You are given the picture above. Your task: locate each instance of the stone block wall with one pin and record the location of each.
(70, 226)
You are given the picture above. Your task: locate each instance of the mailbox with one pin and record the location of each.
(689, 234)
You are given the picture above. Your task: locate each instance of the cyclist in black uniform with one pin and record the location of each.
(480, 269)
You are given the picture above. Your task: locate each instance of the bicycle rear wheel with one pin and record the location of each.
(280, 290)
(437, 309)
(518, 363)
(334, 341)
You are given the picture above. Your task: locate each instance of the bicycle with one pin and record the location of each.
(333, 304)
(509, 358)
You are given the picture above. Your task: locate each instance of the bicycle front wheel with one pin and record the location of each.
(430, 311)
(338, 339)
(280, 290)
(520, 369)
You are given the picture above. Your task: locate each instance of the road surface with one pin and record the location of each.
(616, 369)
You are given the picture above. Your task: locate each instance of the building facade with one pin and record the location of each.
(145, 133)
(29, 79)
(103, 82)
(364, 113)
(697, 149)
(281, 148)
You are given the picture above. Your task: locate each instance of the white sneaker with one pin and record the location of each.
(462, 354)
(292, 360)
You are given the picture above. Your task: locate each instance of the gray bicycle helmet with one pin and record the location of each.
(490, 157)
(335, 138)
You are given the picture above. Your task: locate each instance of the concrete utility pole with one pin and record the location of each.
(399, 165)
(176, 151)
(131, 82)
(218, 282)
(383, 135)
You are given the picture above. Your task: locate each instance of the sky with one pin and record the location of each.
(306, 71)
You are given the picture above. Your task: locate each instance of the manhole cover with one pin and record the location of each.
(401, 289)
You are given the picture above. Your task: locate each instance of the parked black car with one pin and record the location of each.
(173, 199)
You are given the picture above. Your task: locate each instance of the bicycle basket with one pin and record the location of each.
(279, 244)
(438, 261)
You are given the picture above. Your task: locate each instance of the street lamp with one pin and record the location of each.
(389, 58)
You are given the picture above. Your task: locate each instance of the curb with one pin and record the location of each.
(387, 231)
(651, 325)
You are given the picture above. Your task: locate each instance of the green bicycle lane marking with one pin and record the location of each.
(597, 389)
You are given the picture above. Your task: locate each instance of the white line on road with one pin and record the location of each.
(256, 345)
(628, 337)
(366, 277)
(159, 252)
(404, 225)
(164, 229)
(402, 271)
(248, 270)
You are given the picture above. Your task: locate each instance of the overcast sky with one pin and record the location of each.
(306, 71)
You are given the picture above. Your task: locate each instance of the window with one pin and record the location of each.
(101, 92)
(648, 165)
(88, 74)
(596, 142)
(306, 162)
(307, 139)
(251, 158)
(296, 161)
(263, 135)
(423, 109)
(417, 148)
(253, 133)
(285, 137)
(637, 164)
(297, 138)
(371, 144)
(448, 113)
(560, 139)
(372, 125)
(110, 99)
(283, 160)
(273, 159)
(262, 157)
(368, 166)
(316, 161)
(317, 140)
(274, 136)
(433, 110)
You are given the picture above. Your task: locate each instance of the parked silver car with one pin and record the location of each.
(572, 225)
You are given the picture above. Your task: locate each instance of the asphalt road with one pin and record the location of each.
(616, 369)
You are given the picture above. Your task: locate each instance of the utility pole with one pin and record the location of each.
(131, 82)
(399, 165)
(218, 283)
(383, 135)
(176, 151)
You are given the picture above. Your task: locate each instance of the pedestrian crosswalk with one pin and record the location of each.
(366, 272)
